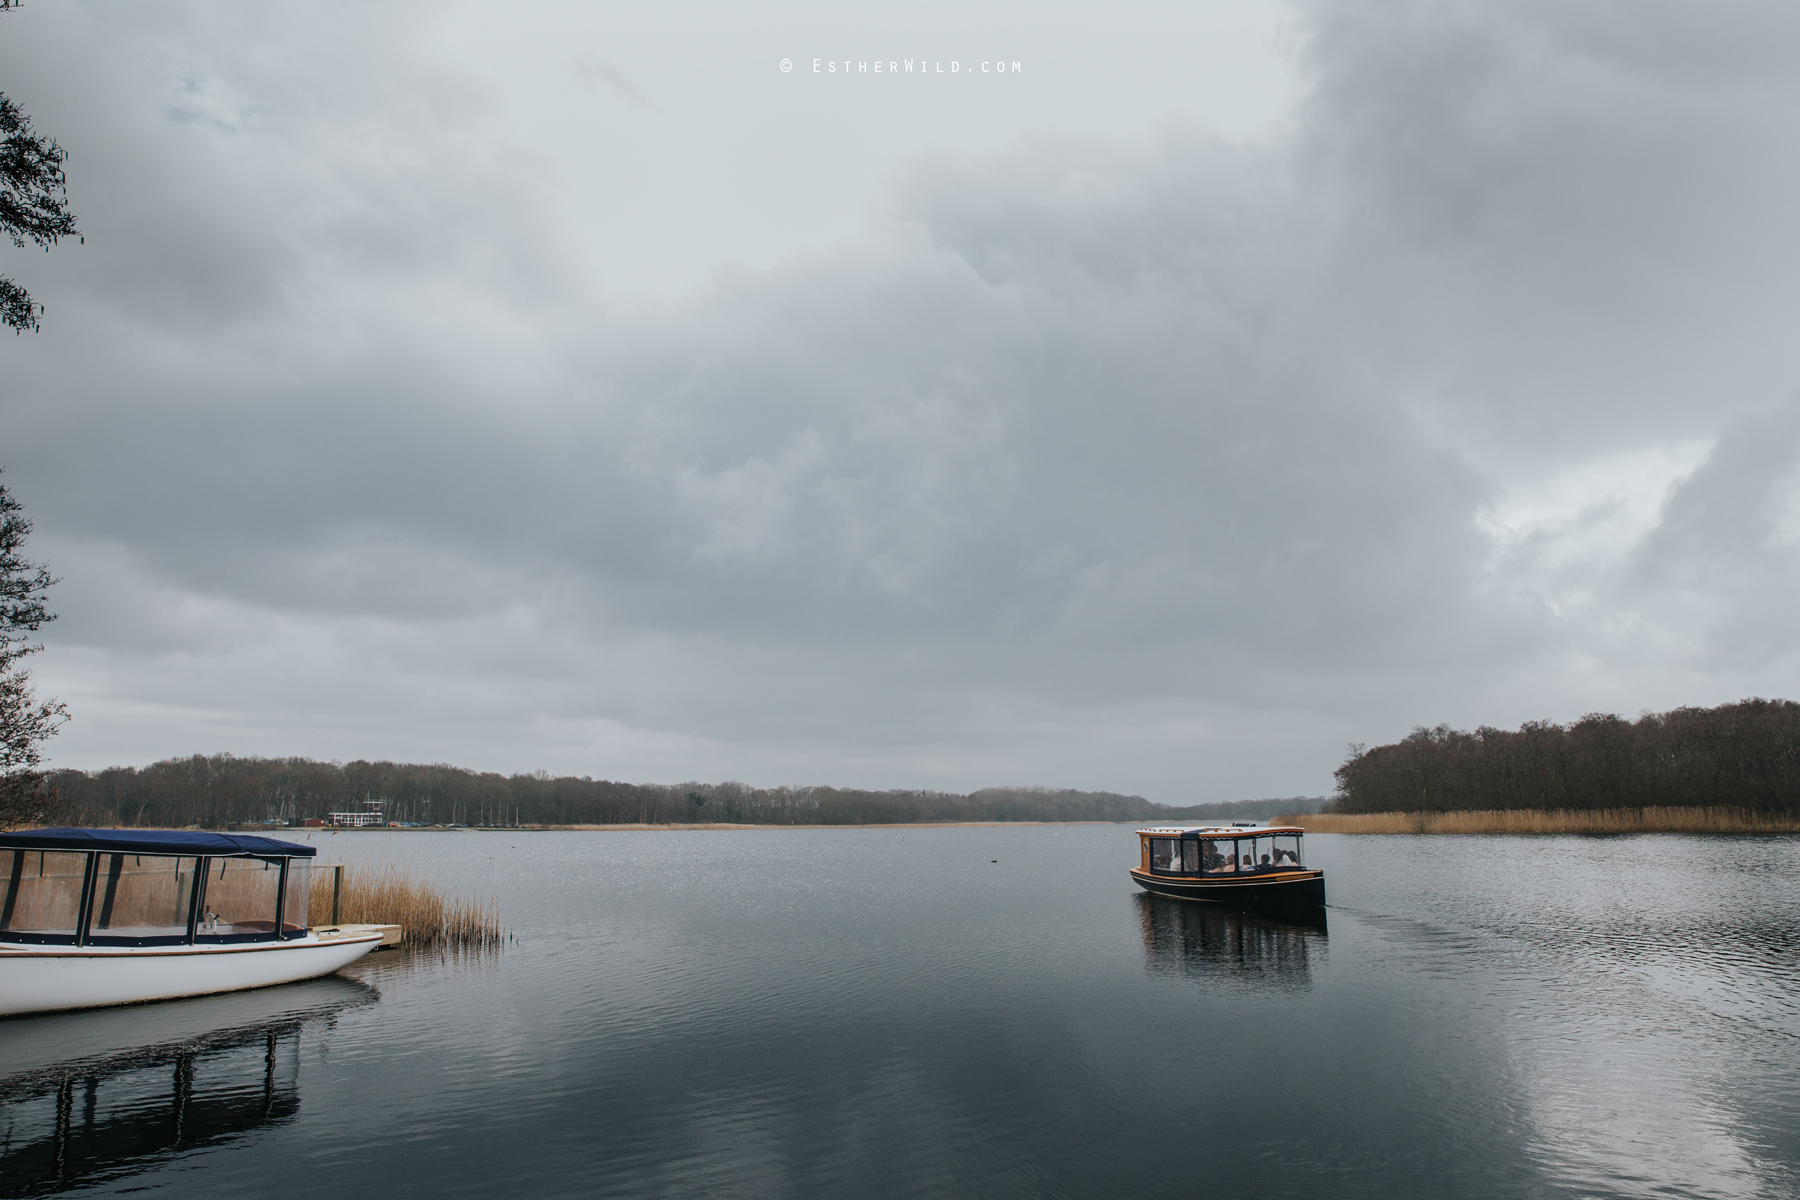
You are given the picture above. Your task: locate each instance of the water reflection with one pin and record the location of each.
(1217, 942)
(90, 1119)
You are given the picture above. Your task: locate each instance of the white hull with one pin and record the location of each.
(48, 978)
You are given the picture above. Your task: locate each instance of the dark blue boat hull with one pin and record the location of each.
(1299, 889)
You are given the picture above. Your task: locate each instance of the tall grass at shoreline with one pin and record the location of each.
(1560, 820)
(386, 894)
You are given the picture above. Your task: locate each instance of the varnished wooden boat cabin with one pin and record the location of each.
(1230, 864)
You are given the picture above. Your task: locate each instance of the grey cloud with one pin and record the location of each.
(1114, 462)
(1567, 214)
(1724, 563)
(598, 70)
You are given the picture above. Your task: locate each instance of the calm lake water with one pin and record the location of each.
(893, 1012)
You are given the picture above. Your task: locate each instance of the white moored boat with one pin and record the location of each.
(91, 917)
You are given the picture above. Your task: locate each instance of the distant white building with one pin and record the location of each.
(370, 815)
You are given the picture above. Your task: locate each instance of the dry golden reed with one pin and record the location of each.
(1561, 820)
(386, 894)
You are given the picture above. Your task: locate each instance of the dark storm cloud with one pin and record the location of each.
(1567, 215)
(1726, 555)
(1133, 462)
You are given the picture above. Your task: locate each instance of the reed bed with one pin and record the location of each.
(1561, 820)
(386, 894)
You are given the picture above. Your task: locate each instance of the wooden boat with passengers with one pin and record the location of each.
(91, 917)
(1230, 864)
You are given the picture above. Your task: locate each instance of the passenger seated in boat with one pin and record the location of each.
(1266, 864)
(1249, 863)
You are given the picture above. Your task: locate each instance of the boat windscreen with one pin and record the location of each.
(1165, 854)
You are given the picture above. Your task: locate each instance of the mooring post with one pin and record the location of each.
(337, 893)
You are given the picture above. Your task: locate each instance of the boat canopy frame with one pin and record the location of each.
(199, 848)
(188, 842)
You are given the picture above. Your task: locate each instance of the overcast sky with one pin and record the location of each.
(572, 387)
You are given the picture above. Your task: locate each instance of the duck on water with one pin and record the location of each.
(92, 917)
(1231, 864)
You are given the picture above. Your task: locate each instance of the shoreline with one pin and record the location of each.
(682, 825)
(1562, 820)
(1474, 822)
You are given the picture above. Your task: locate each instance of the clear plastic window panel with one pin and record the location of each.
(1163, 853)
(240, 899)
(299, 884)
(43, 893)
(142, 897)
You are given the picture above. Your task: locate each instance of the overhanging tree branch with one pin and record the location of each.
(25, 721)
(34, 200)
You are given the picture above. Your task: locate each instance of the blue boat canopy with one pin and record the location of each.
(153, 841)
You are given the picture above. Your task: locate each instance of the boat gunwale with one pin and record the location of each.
(313, 941)
(1217, 832)
(1242, 880)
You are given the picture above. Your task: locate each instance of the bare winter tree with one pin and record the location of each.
(25, 721)
(34, 200)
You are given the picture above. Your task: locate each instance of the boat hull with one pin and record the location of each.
(53, 978)
(1299, 889)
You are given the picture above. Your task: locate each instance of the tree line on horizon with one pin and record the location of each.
(1741, 755)
(212, 791)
